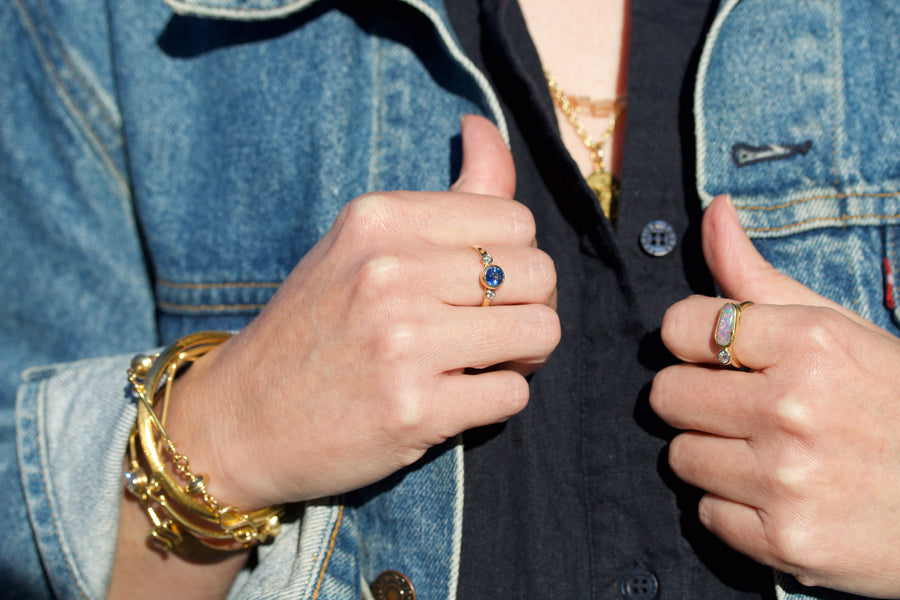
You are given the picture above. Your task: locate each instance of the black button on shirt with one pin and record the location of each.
(658, 238)
(574, 493)
(639, 584)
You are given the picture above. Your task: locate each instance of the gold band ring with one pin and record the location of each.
(491, 276)
(727, 326)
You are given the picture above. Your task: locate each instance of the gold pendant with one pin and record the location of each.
(606, 187)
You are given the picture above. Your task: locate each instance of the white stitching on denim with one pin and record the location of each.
(842, 219)
(213, 286)
(821, 197)
(209, 307)
(836, 98)
(65, 97)
(334, 533)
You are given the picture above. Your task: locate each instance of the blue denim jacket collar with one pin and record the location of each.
(272, 9)
(264, 9)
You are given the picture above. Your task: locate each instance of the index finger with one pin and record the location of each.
(443, 218)
(763, 335)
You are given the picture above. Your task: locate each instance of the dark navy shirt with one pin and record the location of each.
(573, 498)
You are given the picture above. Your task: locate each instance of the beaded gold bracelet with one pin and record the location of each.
(177, 508)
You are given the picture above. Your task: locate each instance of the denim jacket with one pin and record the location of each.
(163, 168)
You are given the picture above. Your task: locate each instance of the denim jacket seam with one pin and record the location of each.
(66, 97)
(209, 307)
(375, 160)
(331, 544)
(843, 219)
(216, 285)
(836, 97)
(844, 196)
(107, 117)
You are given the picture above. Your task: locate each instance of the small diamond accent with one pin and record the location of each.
(490, 294)
(487, 259)
(724, 356)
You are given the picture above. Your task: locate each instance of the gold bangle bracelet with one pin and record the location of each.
(189, 507)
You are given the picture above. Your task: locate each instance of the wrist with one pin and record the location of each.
(172, 488)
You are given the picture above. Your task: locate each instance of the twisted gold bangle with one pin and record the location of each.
(189, 507)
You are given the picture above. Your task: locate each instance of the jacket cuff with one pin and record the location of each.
(72, 427)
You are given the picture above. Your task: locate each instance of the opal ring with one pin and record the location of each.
(727, 326)
(491, 276)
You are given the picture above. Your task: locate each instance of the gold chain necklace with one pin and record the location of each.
(601, 181)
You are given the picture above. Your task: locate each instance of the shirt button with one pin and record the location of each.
(640, 584)
(392, 585)
(658, 238)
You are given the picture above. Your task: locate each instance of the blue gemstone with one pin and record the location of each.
(493, 276)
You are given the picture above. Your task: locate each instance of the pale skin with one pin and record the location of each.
(799, 455)
(376, 326)
(407, 346)
(584, 45)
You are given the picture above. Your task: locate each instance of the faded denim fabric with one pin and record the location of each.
(796, 110)
(183, 164)
(161, 174)
(797, 106)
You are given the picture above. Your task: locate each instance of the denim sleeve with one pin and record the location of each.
(72, 426)
(73, 285)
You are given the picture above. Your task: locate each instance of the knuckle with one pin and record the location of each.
(793, 543)
(678, 455)
(378, 274)
(792, 413)
(512, 396)
(520, 221)
(407, 410)
(397, 343)
(672, 322)
(519, 394)
(369, 213)
(543, 273)
(821, 336)
(659, 390)
(791, 479)
(547, 326)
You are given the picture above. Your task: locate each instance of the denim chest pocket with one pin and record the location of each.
(796, 107)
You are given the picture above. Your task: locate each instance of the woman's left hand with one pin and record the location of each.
(799, 454)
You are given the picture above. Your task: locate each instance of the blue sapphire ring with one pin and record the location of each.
(491, 275)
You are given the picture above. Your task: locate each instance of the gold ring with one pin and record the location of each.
(491, 276)
(727, 326)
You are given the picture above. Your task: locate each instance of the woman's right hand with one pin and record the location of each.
(376, 347)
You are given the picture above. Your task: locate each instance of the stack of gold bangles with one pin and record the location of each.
(182, 511)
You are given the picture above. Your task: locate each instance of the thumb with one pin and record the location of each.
(743, 274)
(739, 269)
(487, 164)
